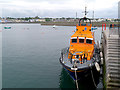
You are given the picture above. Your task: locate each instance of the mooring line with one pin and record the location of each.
(93, 77)
(76, 80)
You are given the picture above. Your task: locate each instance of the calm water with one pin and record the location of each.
(31, 56)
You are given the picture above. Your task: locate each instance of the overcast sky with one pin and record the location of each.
(59, 8)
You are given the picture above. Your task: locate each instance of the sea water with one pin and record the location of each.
(30, 56)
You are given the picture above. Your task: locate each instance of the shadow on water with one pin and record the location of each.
(84, 84)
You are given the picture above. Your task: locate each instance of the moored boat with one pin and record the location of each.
(93, 28)
(82, 57)
(54, 26)
(7, 27)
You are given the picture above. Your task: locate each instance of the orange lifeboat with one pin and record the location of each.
(82, 55)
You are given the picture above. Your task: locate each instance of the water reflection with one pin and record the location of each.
(65, 80)
(85, 84)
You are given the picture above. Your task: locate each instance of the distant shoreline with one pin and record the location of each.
(97, 24)
(20, 22)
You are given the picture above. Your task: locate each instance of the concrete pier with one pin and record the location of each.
(111, 56)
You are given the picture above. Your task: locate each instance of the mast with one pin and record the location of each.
(76, 18)
(85, 12)
(93, 14)
(93, 17)
(76, 15)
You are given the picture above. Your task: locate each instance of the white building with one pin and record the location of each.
(119, 9)
(119, 17)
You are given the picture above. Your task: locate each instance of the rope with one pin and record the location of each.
(76, 80)
(93, 77)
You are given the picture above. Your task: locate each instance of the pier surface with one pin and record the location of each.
(111, 51)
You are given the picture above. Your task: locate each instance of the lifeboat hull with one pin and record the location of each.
(81, 73)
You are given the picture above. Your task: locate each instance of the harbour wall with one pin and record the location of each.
(97, 24)
(111, 51)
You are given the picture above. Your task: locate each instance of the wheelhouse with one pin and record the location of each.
(81, 40)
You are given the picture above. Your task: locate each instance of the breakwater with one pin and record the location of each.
(97, 24)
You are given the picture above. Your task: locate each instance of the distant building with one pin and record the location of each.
(119, 18)
(40, 20)
(119, 9)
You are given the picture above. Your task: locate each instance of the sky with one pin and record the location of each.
(59, 8)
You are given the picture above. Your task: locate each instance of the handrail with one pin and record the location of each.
(104, 25)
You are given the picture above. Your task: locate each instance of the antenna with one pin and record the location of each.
(85, 11)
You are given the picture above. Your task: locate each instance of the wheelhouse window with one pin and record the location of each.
(74, 40)
(83, 24)
(89, 41)
(81, 40)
